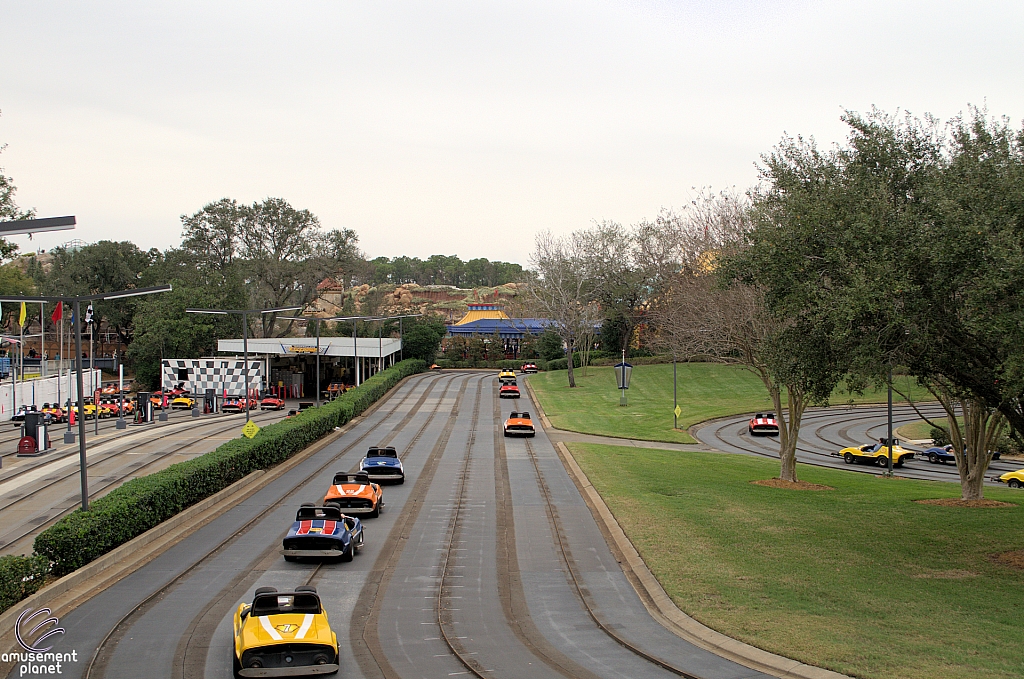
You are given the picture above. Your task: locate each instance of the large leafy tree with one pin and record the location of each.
(104, 266)
(423, 337)
(948, 300)
(275, 254)
(163, 329)
(906, 247)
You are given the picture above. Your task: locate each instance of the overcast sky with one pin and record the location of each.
(457, 127)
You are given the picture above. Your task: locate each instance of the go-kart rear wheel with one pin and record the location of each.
(289, 557)
(882, 461)
(375, 513)
(346, 555)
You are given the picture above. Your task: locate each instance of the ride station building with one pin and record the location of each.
(285, 366)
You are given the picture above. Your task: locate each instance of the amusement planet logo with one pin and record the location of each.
(33, 630)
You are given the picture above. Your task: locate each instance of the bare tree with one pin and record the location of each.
(563, 286)
(697, 317)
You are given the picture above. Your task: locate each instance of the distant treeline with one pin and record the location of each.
(442, 270)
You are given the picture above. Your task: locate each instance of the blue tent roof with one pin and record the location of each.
(508, 328)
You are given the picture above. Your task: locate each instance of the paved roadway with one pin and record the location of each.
(486, 562)
(827, 430)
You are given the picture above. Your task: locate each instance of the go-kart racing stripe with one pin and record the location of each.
(265, 622)
(307, 622)
(304, 528)
(329, 527)
(342, 491)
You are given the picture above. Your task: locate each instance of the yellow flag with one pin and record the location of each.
(21, 318)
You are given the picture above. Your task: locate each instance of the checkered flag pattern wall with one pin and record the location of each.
(219, 374)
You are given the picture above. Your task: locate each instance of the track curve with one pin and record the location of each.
(827, 430)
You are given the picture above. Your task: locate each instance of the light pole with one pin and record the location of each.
(76, 305)
(244, 313)
(888, 440)
(401, 336)
(675, 397)
(318, 322)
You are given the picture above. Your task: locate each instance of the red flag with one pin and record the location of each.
(58, 313)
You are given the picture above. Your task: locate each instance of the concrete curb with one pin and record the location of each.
(657, 601)
(663, 609)
(81, 585)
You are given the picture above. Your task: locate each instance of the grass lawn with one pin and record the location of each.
(921, 429)
(859, 579)
(706, 391)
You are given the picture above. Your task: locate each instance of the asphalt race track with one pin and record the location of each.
(486, 562)
(827, 430)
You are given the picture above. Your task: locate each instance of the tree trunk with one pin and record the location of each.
(572, 377)
(789, 427)
(789, 430)
(971, 445)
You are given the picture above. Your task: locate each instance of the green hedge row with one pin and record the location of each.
(510, 364)
(20, 576)
(144, 502)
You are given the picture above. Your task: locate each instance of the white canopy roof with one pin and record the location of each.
(368, 347)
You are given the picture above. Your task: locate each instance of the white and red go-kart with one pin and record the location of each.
(763, 424)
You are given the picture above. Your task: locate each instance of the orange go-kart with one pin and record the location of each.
(353, 493)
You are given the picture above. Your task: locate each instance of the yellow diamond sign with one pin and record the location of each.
(250, 429)
(678, 411)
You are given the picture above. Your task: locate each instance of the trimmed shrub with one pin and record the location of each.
(140, 504)
(559, 364)
(20, 576)
(511, 364)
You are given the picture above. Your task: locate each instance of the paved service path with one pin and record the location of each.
(487, 562)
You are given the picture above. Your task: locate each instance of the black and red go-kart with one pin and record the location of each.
(763, 424)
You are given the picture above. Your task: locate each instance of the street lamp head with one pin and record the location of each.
(136, 292)
(30, 226)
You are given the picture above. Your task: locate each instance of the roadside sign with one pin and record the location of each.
(678, 411)
(250, 429)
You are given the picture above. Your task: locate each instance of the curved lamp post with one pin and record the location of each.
(623, 371)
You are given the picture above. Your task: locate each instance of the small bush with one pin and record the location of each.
(140, 504)
(20, 576)
(940, 436)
